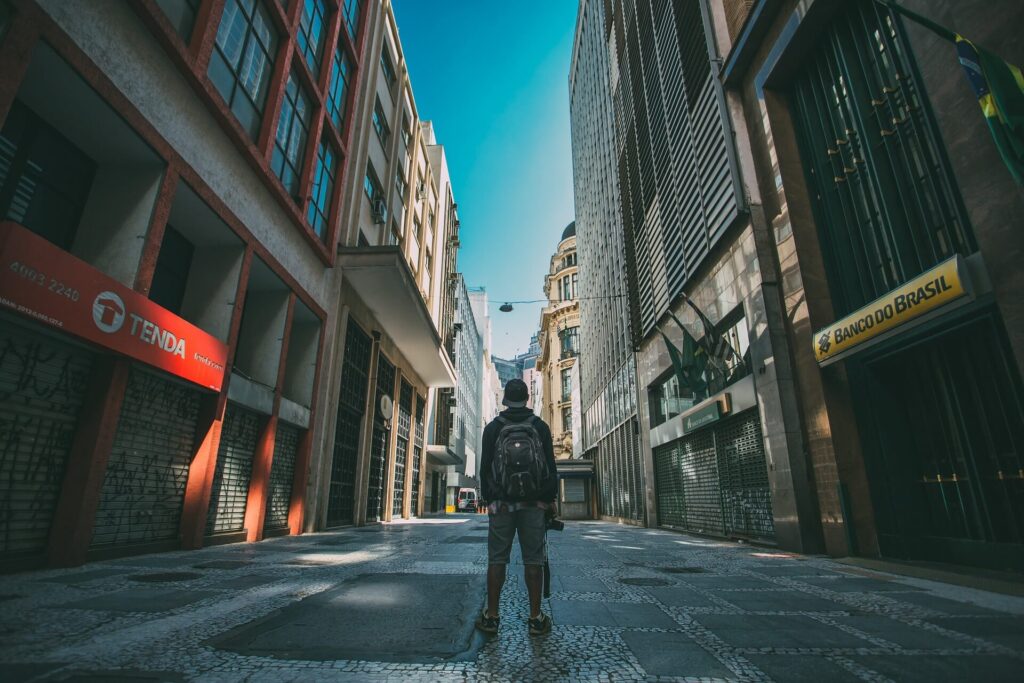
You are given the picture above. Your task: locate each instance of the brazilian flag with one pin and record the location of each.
(998, 85)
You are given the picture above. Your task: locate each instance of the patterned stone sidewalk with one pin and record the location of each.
(396, 603)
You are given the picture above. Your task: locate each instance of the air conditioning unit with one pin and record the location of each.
(380, 210)
(421, 191)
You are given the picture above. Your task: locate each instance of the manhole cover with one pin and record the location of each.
(165, 577)
(682, 570)
(223, 564)
(642, 581)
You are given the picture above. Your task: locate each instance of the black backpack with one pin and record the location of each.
(519, 467)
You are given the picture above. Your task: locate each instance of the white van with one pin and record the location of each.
(466, 502)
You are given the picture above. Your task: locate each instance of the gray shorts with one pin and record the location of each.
(529, 523)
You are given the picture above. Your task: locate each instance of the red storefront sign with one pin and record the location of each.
(43, 282)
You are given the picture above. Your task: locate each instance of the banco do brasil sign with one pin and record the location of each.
(944, 284)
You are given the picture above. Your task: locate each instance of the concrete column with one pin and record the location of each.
(75, 516)
(263, 458)
(320, 486)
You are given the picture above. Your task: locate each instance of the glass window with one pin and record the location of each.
(336, 99)
(310, 36)
(386, 68)
(319, 209)
(380, 124)
(290, 141)
(567, 419)
(350, 11)
(44, 179)
(566, 384)
(428, 271)
(181, 14)
(570, 338)
(243, 59)
(575, 280)
(375, 193)
(400, 184)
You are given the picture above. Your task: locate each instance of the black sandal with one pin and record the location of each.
(540, 625)
(487, 623)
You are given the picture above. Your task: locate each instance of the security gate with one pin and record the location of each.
(715, 481)
(944, 447)
(282, 475)
(620, 476)
(144, 487)
(417, 456)
(355, 379)
(402, 447)
(379, 444)
(42, 387)
(230, 491)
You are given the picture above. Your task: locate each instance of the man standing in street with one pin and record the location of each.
(519, 483)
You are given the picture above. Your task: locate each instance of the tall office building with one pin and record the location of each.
(644, 70)
(607, 367)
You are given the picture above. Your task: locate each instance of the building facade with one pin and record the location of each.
(391, 357)
(559, 346)
(872, 167)
(690, 246)
(467, 431)
(193, 178)
(607, 365)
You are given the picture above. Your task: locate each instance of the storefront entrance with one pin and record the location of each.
(942, 423)
(715, 481)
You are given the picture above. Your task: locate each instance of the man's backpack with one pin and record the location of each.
(520, 467)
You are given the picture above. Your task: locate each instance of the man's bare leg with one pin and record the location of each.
(495, 582)
(534, 576)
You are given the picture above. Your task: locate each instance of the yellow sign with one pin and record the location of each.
(933, 289)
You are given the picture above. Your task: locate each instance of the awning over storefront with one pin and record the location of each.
(382, 279)
(442, 455)
(575, 469)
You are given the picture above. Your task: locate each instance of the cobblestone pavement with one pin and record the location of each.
(395, 602)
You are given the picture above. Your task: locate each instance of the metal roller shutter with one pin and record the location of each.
(380, 441)
(282, 476)
(42, 387)
(417, 456)
(669, 479)
(402, 447)
(699, 464)
(355, 380)
(146, 476)
(230, 491)
(746, 496)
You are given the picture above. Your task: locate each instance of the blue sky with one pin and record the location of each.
(492, 75)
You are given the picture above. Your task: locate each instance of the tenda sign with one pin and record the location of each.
(49, 285)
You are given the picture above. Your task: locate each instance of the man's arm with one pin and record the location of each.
(550, 492)
(487, 453)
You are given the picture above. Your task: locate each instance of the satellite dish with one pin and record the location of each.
(386, 406)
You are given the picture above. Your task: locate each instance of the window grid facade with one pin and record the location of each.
(292, 133)
(243, 60)
(319, 209)
(310, 37)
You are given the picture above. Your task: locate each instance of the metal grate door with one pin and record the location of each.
(402, 447)
(355, 380)
(668, 477)
(746, 495)
(379, 445)
(702, 493)
(282, 476)
(230, 491)
(42, 387)
(144, 487)
(883, 193)
(417, 456)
